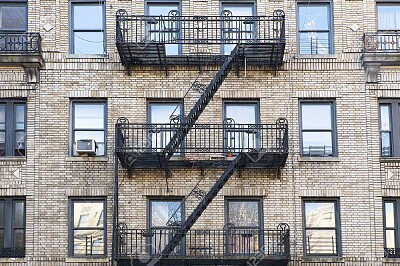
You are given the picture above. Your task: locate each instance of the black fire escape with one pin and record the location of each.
(257, 40)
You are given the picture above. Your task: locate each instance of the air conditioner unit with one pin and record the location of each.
(86, 146)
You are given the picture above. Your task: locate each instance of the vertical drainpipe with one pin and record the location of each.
(115, 199)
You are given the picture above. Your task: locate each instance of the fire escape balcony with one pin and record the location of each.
(22, 50)
(231, 246)
(199, 40)
(206, 145)
(380, 49)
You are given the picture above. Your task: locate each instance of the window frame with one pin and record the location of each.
(10, 126)
(72, 31)
(396, 227)
(330, 21)
(332, 103)
(73, 129)
(8, 224)
(71, 227)
(16, 3)
(337, 226)
(394, 126)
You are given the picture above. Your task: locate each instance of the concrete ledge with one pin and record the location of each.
(318, 159)
(390, 159)
(86, 159)
(13, 158)
(87, 56)
(87, 260)
(12, 260)
(326, 259)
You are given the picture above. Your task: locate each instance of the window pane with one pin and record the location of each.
(388, 17)
(13, 17)
(19, 212)
(320, 214)
(244, 213)
(88, 242)
(86, 214)
(2, 117)
(321, 241)
(389, 214)
(386, 144)
(20, 116)
(98, 136)
(162, 211)
(317, 143)
(157, 9)
(20, 143)
(316, 116)
(239, 9)
(241, 113)
(89, 42)
(390, 239)
(89, 116)
(1, 238)
(161, 113)
(83, 12)
(2, 143)
(385, 117)
(19, 236)
(313, 17)
(2, 214)
(314, 43)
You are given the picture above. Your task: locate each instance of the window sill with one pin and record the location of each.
(12, 260)
(87, 260)
(390, 159)
(13, 158)
(87, 56)
(391, 260)
(316, 56)
(327, 258)
(318, 159)
(86, 159)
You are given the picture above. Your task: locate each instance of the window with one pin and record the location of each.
(239, 120)
(12, 227)
(89, 122)
(391, 219)
(244, 216)
(169, 29)
(161, 115)
(235, 29)
(388, 15)
(87, 36)
(87, 228)
(389, 125)
(13, 15)
(318, 128)
(321, 227)
(12, 128)
(314, 26)
(164, 213)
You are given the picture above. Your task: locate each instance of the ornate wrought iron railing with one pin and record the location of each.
(203, 244)
(387, 42)
(20, 43)
(221, 139)
(177, 29)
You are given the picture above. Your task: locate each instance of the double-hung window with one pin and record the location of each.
(87, 27)
(89, 123)
(314, 25)
(318, 128)
(321, 227)
(244, 220)
(388, 16)
(12, 127)
(12, 227)
(87, 227)
(389, 126)
(391, 219)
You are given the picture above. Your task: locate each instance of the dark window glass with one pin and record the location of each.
(12, 227)
(391, 225)
(389, 127)
(13, 16)
(87, 234)
(314, 26)
(321, 227)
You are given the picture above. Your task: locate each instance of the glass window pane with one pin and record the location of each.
(317, 143)
(2, 143)
(19, 238)
(19, 213)
(157, 9)
(86, 214)
(88, 242)
(1, 238)
(2, 117)
(321, 241)
(161, 112)
(244, 213)
(390, 239)
(314, 43)
(316, 116)
(13, 17)
(389, 214)
(320, 214)
(386, 144)
(388, 17)
(88, 42)
(162, 211)
(20, 116)
(241, 113)
(385, 117)
(2, 216)
(89, 116)
(98, 136)
(83, 12)
(313, 17)
(20, 140)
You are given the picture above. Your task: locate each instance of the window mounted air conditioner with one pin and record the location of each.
(86, 146)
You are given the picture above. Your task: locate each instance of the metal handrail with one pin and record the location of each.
(20, 43)
(382, 41)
